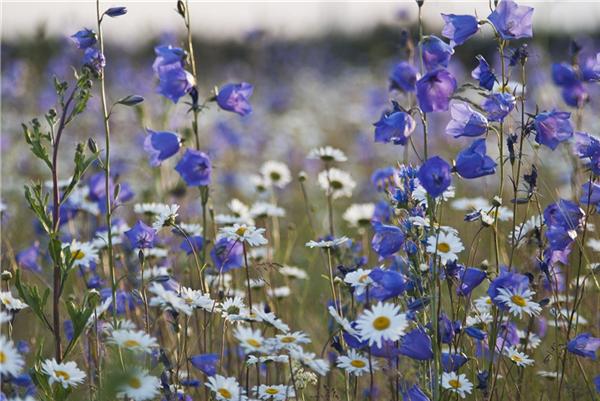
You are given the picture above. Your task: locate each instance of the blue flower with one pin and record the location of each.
(466, 121)
(563, 74)
(387, 239)
(116, 11)
(584, 345)
(168, 58)
(562, 219)
(414, 393)
(591, 194)
(403, 77)
(141, 236)
(234, 97)
(469, 279)
(435, 176)
(484, 74)
(388, 283)
(195, 168)
(94, 59)
(552, 127)
(161, 145)
(499, 105)
(394, 126)
(472, 162)
(459, 28)
(84, 38)
(227, 255)
(515, 282)
(197, 241)
(435, 89)
(435, 52)
(453, 362)
(175, 83)
(206, 363)
(512, 21)
(416, 344)
(28, 258)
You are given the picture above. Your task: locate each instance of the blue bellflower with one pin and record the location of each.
(435, 176)
(394, 126)
(416, 344)
(552, 127)
(473, 162)
(94, 59)
(234, 98)
(195, 168)
(414, 393)
(84, 38)
(466, 121)
(512, 21)
(141, 236)
(206, 363)
(484, 74)
(161, 145)
(175, 83)
(584, 345)
(387, 239)
(435, 89)
(403, 77)
(435, 53)
(499, 105)
(459, 28)
(227, 255)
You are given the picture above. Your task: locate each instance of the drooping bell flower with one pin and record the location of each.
(413, 393)
(394, 126)
(459, 28)
(197, 241)
(466, 121)
(484, 74)
(227, 255)
(168, 58)
(94, 60)
(435, 176)
(453, 362)
(468, 279)
(590, 68)
(562, 220)
(435, 89)
(552, 127)
(584, 345)
(195, 168)
(473, 162)
(235, 98)
(416, 344)
(499, 105)
(84, 38)
(591, 194)
(386, 284)
(575, 95)
(447, 328)
(206, 363)
(512, 21)
(387, 239)
(161, 145)
(563, 74)
(141, 236)
(436, 53)
(403, 77)
(175, 83)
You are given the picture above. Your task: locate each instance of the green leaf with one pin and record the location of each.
(32, 297)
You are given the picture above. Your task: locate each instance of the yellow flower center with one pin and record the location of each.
(224, 393)
(241, 231)
(6, 301)
(336, 185)
(78, 254)
(134, 382)
(454, 383)
(363, 278)
(2, 357)
(288, 339)
(516, 358)
(271, 391)
(488, 301)
(518, 300)
(381, 323)
(443, 247)
(275, 176)
(253, 342)
(357, 363)
(131, 344)
(62, 374)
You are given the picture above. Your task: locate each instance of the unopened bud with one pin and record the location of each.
(92, 146)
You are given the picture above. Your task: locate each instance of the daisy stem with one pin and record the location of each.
(143, 293)
(335, 300)
(248, 288)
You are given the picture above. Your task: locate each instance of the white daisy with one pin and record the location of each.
(243, 233)
(234, 309)
(270, 319)
(293, 272)
(519, 301)
(327, 244)
(140, 386)
(168, 300)
(551, 375)
(342, 321)
(225, 388)
(359, 214)
(165, 217)
(522, 230)
(359, 280)
(11, 303)
(11, 362)
(594, 244)
(309, 359)
(289, 340)
(133, 340)
(278, 392)
(197, 299)
(327, 154)
(265, 209)
(382, 322)
(458, 384)
(446, 245)
(420, 194)
(276, 174)
(279, 292)
(336, 182)
(355, 363)
(533, 340)
(80, 198)
(154, 272)
(482, 318)
(83, 253)
(250, 340)
(519, 358)
(259, 182)
(191, 229)
(469, 204)
(483, 304)
(66, 373)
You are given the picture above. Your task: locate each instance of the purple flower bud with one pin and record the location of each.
(116, 11)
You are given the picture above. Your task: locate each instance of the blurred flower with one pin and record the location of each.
(175, 83)
(403, 77)
(484, 74)
(227, 254)
(587, 148)
(133, 340)
(207, 363)
(473, 162)
(466, 121)
(84, 38)
(358, 215)
(499, 105)
(435, 89)
(459, 28)
(11, 362)
(235, 98)
(435, 52)
(552, 127)
(140, 386)
(94, 59)
(225, 388)
(276, 174)
(394, 126)
(584, 345)
(116, 11)
(243, 233)
(512, 21)
(336, 182)
(327, 154)
(161, 145)
(387, 239)
(435, 176)
(195, 168)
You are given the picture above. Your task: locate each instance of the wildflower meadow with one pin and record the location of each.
(406, 215)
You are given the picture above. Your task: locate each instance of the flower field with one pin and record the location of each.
(405, 214)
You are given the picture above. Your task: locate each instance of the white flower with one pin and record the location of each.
(140, 386)
(479, 318)
(446, 244)
(522, 230)
(458, 384)
(83, 253)
(270, 319)
(5, 317)
(382, 322)
(265, 209)
(519, 358)
(327, 244)
(519, 301)
(279, 292)
(278, 392)
(276, 174)
(197, 299)
(80, 199)
(355, 363)
(234, 309)
(165, 217)
(11, 303)
(289, 340)
(154, 272)
(359, 214)
(547, 374)
(359, 280)
(250, 340)
(342, 321)
(156, 252)
(66, 373)
(483, 304)
(327, 154)
(168, 300)
(133, 340)
(594, 244)
(293, 272)
(11, 362)
(336, 182)
(100, 309)
(319, 366)
(225, 388)
(420, 194)
(469, 204)
(191, 229)
(241, 232)
(533, 340)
